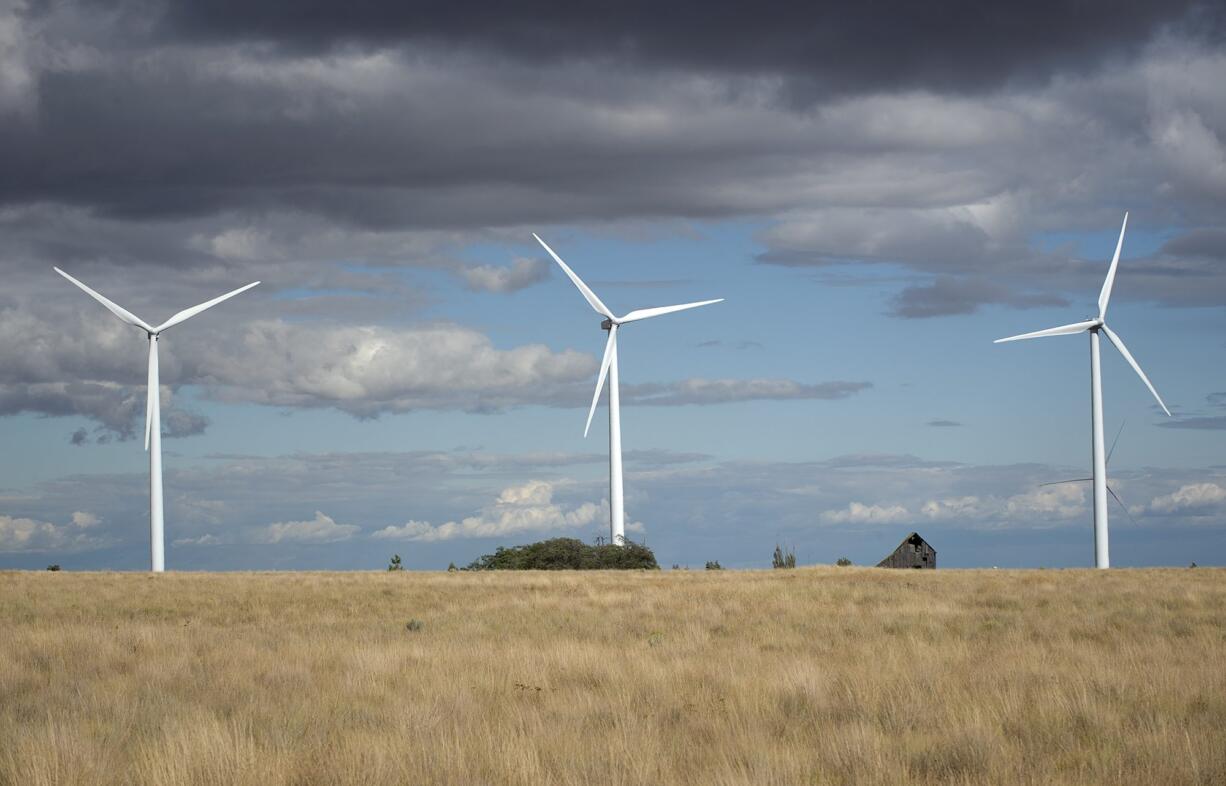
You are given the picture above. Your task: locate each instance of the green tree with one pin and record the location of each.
(395, 563)
(783, 559)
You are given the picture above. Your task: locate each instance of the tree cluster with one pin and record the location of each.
(568, 554)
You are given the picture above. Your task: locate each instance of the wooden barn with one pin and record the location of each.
(913, 552)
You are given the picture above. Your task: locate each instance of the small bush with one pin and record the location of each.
(843, 562)
(395, 563)
(413, 626)
(57, 567)
(451, 568)
(783, 559)
(714, 565)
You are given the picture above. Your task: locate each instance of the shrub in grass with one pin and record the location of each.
(783, 559)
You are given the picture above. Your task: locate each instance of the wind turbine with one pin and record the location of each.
(1102, 558)
(1107, 463)
(608, 368)
(153, 409)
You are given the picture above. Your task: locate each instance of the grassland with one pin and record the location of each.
(819, 675)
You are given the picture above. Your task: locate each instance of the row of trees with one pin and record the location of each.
(574, 554)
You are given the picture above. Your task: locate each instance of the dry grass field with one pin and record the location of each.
(818, 675)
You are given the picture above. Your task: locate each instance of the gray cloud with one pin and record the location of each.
(1200, 422)
(181, 423)
(721, 391)
(739, 345)
(1205, 423)
(940, 423)
(491, 278)
(947, 295)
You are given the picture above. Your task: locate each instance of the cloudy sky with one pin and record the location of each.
(878, 191)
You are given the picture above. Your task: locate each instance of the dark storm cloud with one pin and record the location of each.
(837, 46)
(340, 147)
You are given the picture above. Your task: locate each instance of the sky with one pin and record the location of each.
(878, 191)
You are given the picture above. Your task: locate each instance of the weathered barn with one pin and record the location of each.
(913, 552)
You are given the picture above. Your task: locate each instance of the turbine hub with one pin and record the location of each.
(606, 324)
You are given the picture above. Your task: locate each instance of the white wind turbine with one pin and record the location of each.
(153, 409)
(608, 367)
(1102, 558)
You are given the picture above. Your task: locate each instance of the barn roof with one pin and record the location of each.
(915, 539)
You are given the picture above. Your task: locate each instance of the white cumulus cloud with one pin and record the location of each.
(1193, 499)
(31, 535)
(524, 508)
(859, 513)
(321, 529)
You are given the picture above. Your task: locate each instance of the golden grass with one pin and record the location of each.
(819, 675)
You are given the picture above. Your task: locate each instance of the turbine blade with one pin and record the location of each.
(1104, 297)
(1115, 441)
(587, 293)
(1119, 344)
(609, 348)
(151, 388)
(648, 313)
(122, 313)
(188, 313)
(1122, 505)
(1062, 482)
(1063, 330)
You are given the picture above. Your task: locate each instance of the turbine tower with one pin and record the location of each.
(1093, 326)
(608, 368)
(153, 409)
